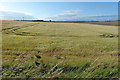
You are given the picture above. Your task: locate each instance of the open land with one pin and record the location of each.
(59, 50)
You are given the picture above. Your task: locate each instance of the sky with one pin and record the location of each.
(59, 11)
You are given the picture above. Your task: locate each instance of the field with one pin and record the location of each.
(112, 23)
(59, 50)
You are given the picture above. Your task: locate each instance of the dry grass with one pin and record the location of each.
(79, 47)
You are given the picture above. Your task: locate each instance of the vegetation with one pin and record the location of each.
(59, 50)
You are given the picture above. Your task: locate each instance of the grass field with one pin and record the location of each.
(63, 50)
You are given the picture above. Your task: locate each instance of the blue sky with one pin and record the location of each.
(59, 10)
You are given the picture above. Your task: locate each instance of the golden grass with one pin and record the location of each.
(75, 44)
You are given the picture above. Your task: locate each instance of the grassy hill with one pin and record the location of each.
(64, 50)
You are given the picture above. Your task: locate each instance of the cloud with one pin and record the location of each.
(67, 15)
(76, 15)
(101, 18)
(2, 7)
(6, 14)
(14, 15)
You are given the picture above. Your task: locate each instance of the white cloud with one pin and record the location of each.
(2, 7)
(12, 15)
(76, 15)
(101, 18)
(67, 15)
(15, 15)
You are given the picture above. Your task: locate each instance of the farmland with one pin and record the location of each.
(62, 50)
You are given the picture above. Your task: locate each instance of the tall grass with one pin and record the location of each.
(83, 49)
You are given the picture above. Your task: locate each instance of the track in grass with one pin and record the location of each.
(82, 48)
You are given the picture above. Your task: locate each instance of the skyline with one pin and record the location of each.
(59, 11)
